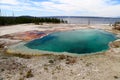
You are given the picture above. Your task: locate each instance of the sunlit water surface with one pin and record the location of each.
(76, 41)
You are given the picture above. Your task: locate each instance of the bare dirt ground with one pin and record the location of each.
(102, 66)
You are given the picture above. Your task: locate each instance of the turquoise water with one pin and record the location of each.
(76, 41)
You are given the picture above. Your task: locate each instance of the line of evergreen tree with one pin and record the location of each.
(21, 20)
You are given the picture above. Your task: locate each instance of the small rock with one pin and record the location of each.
(115, 44)
(116, 77)
(2, 44)
(51, 61)
(1, 78)
(118, 36)
(29, 74)
(2, 70)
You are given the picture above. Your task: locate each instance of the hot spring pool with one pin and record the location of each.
(76, 41)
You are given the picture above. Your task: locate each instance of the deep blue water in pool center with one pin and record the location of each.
(75, 41)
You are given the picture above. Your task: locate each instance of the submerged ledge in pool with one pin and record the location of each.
(21, 49)
(75, 41)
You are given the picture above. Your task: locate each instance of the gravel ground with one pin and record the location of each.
(102, 66)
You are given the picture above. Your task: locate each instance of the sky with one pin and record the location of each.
(103, 8)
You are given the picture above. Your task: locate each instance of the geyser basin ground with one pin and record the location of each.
(76, 41)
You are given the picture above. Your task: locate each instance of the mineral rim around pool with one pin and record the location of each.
(76, 41)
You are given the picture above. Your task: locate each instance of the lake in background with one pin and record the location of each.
(90, 20)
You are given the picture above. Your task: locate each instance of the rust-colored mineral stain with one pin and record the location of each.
(26, 36)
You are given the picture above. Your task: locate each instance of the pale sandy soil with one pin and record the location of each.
(102, 66)
(92, 67)
(17, 28)
(27, 27)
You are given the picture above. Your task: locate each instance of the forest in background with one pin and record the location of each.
(24, 19)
